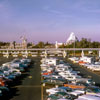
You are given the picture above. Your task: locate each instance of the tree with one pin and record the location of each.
(40, 44)
(14, 43)
(84, 43)
(47, 44)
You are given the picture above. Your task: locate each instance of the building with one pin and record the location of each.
(87, 59)
(23, 45)
(57, 45)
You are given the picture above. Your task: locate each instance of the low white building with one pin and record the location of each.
(50, 61)
(58, 44)
(87, 59)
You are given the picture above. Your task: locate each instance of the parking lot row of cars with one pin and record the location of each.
(11, 71)
(87, 62)
(63, 83)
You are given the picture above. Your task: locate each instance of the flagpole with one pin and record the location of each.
(74, 47)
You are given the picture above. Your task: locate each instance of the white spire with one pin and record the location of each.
(56, 45)
(72, 38)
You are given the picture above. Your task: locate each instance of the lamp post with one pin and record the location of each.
(42, 90)
(74, 47)
(43, 85)
(45, 54)
(64, 54)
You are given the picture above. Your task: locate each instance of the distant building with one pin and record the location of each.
(85, 59)
(72, 38)
(57, 45)
(22, 45)
(11, 46)
(4, 47)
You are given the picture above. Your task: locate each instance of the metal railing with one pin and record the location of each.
(50, 49)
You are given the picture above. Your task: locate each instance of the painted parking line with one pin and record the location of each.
(30, 77)
(28, 86)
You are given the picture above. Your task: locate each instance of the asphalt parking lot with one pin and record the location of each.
(26, 87)
(84, 72)
(87, 73)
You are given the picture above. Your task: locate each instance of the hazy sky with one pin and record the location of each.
(49, 20)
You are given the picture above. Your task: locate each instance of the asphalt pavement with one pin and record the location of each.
(27, 86)
(86, 73)
(30, 89)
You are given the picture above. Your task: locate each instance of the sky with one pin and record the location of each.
(49, 20)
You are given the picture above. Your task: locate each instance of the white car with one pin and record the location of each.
(59, 89)
(88, 97)
(52, 90)
(96, 68)
(77, 92)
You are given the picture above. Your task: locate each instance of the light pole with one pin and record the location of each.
(42, 85)
(74, 48)
(42, 92)
(64, 54)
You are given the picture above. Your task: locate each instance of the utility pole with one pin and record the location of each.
(74, 48)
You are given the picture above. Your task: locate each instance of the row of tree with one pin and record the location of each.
(4, 43)
(30, 44)
(43, 45)
(83, 43)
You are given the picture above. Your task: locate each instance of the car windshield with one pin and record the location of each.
(90, 80)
